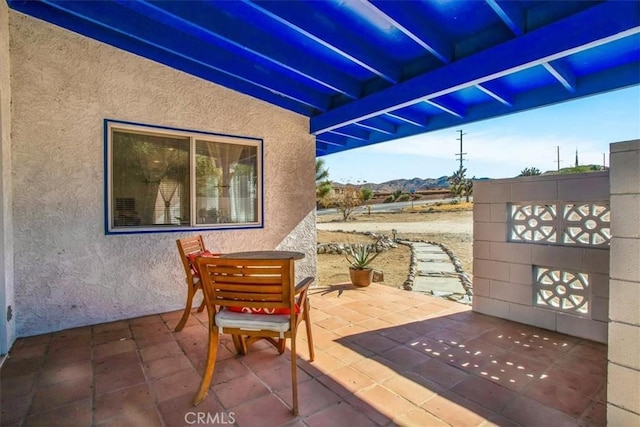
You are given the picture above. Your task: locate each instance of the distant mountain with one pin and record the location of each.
(406, 185)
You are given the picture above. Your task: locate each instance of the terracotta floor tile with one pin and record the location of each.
(159, 368)
(404, 357)
(339, 414)
(313, 397)
(140, 416)
(419, 418)
(377, 418)
(18, 386)
(346, 381)
(179, 411)
(439, 372)
(129, 399)
(63, 373)
(151, 376)
(179, 383)
(558, 397)
(159, 351)
(456, 410)
(594, 416)
(411, 387)
(67, 356)
(115, 362)
(120, 378)
(264, 411)
(238, 390)
(582, 365)
(73, 414)
(14, 410)
(278, 376)
(512, 370)
(587, 385)
(119, 334)
(377, 368)
(51, 397)
(528, 412)
(385, 401)
(484, 392)
(113, 347)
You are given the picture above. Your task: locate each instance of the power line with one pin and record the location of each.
(461, 154)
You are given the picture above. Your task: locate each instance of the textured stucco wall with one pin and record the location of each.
(7, 303)
(68, 273)
(503, 270)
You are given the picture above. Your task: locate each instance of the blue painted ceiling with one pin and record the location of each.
(373, 71)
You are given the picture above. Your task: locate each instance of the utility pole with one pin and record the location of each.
(558, 156)
(460, 154)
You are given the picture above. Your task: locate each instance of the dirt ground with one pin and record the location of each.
(452, 229)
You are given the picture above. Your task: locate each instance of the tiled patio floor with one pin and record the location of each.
(383, 357)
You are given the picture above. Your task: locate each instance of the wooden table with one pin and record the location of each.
(265, 255)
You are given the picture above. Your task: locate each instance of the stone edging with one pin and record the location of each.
(386, 243)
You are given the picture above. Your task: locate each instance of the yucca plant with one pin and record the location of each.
(360, 255)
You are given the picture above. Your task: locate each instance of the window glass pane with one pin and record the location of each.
(150, 179)
(226, 183)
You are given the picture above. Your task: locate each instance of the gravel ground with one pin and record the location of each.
(452, 229)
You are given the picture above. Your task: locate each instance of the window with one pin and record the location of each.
(161, 179)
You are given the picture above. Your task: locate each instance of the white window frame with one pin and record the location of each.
(110, 125)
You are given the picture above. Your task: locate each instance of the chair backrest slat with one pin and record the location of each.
(186, 246)
(248, 282)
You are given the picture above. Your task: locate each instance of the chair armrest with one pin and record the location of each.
(304, 284)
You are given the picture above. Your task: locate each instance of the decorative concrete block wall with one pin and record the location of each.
(541, 252)
(623, 390)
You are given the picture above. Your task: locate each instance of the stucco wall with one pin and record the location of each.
(504, 268)
(7, 304)
(623, 391)
(67, 272)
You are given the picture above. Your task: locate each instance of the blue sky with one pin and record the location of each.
(501, 147)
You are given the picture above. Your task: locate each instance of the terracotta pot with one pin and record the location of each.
(361, 278)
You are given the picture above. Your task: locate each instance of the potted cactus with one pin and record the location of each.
(359, 257)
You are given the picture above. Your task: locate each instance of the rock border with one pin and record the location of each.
(386, 243)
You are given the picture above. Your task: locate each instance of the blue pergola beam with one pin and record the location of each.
(510, 14)
(592, 27)
(242, 38)
(562, 74)
(420, 33)
(611, 79)
(495, 93)
(140, 28)
(306, 25)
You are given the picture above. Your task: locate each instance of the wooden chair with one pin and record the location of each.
(190, 247)
(257, 284)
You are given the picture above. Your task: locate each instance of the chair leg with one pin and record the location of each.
(307, 324)
(202, 306)
(187, 310)
(294, 374)
(237, 343)
(212, 352)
